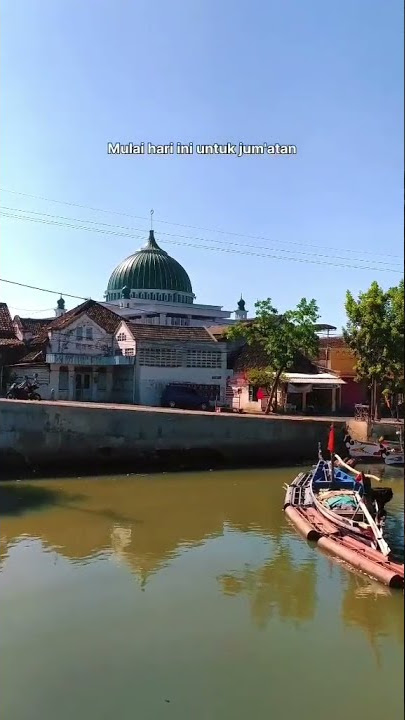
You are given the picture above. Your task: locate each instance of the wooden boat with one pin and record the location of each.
(371, 451)
(347, 500)
(391, 453)
(395, 455)
(338, 508)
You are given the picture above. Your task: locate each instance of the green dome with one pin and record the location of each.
(151, 268)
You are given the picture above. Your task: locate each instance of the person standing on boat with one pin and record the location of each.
(365, 481)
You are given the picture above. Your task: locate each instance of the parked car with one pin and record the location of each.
(188, 398)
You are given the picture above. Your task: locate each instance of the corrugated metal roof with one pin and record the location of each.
(314, 379)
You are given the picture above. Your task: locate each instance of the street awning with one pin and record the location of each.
(321, 380)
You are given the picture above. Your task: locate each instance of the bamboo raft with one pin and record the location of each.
(339, 543)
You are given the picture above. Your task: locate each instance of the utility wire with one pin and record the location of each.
(186, 237)
(33, 287)
(191, 227)
(13, 307)
(202, 247)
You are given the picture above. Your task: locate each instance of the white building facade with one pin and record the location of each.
(166, 356)
(90, 354)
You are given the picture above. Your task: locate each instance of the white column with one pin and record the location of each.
(94, 383)
(72, 385)
(54, 381)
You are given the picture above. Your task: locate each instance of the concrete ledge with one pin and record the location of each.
(65, 435)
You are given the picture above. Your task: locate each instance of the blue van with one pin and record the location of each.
(185, 397)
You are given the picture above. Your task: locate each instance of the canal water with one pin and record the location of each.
(187, 597)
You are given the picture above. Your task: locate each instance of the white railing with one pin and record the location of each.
(70, 359)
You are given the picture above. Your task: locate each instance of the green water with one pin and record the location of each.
(187, 597)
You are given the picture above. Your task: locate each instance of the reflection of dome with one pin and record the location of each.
(151, 268)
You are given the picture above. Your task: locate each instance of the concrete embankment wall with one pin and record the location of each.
(363, 431)
(63, 436)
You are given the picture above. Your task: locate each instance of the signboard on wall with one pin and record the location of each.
(299, 388)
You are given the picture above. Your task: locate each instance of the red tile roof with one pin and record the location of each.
(35, 326)
(35, 356)
(105, 318)
(6, 323)
(170, 333)
(254, 356)
(11, 342)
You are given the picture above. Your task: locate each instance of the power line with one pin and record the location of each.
(187, 237)
(191, 227)
(13, 307)
(33, 287)
(202, 247)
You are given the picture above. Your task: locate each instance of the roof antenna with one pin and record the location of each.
(151, 219)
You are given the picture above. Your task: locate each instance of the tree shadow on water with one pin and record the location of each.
(15, 499)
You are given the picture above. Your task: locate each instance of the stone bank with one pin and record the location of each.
(62, 436)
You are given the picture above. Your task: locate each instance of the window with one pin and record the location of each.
(252, 393)
(129, 351)
(121, 336)
(79, 333)
(160, 357)
(204, 358)
(89, 333)
(63, 378)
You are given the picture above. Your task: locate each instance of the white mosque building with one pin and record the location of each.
(151, 287)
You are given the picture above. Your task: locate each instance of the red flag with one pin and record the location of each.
(331, 441)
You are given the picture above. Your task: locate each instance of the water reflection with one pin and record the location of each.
(382, 607)
(144, 523)
(157, 515)
(281, 585)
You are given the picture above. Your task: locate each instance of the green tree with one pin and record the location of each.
(375, 334)
(282, 336)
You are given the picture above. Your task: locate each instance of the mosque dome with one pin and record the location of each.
(150, 269)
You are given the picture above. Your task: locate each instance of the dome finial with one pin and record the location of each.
(241, 303)
(60, 307)
(151, 219)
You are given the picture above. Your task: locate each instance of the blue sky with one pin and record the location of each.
(324, 76)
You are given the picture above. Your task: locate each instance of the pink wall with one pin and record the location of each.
(353, 393)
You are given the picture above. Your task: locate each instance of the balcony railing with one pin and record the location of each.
(68, 359)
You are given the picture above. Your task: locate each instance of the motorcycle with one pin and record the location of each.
(24, 391)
